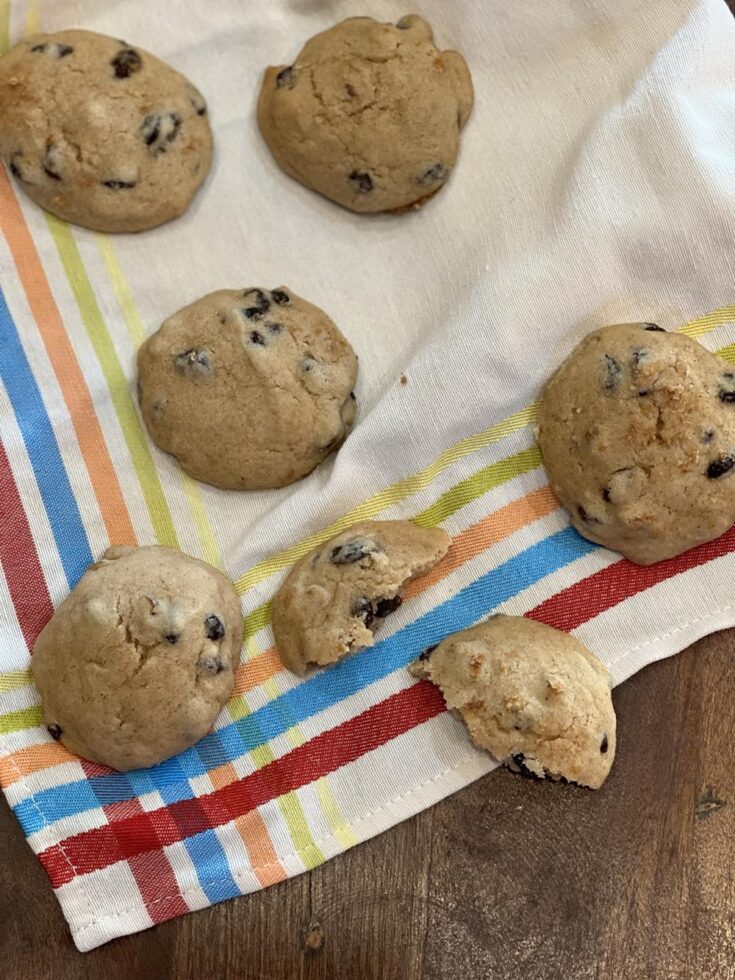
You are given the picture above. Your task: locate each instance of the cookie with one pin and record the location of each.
(637, 431)
(535, 698)
(248, 388)
(101, 133)
(138, 660)
(337, 595)
(368, 114)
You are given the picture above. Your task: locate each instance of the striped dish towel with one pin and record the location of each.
(595, 185)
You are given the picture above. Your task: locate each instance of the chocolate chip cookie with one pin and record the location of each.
(337, 595)
(535, 698)
(368, 114)
(138, 660)
(248, 388)
(100, 132)
(637, 430)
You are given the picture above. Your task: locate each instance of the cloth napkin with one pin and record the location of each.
(595, 185)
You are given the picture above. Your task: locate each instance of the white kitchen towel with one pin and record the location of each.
(595, 184)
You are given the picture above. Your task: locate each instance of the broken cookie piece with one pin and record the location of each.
(138, 660)
(337, 596)
(535, 698)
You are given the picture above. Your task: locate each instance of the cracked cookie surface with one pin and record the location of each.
(337, 595)
(637, 431)
(101, 133)
(535, 698)
(138, 660)
(248, 388)
(369, 114)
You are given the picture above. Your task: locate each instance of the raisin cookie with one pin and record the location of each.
(101, 133)
(138, 660)
(368, 114)
(637, 430)
(341, 591)
(535, 698)
(248, 389)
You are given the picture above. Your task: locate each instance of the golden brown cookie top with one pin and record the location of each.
(100, 132)
(637, 430)
(368, 114)
(248, 388)
(137, 661)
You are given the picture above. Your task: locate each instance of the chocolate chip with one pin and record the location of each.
(15, 168)
(256, 338)
(606, 494)
(57, 50)
(363, 607)
(362, 182)
(261, 307)
(720, 466)
(274, 328)
(603, 744)
(119, 185)
(612, 373)
(253, 312)
(126, 63)
(278, 296)
(428, 652)
(708, 435)
(430, 176)
(159, 130)
(210, 665)
(350, 90)
(352, 551)
(726, 393)
(214, 627)
(519, 760)
(197, 100)
(384, 607)
(52, 163)
(653, 326)
(285, 77)
(638, 355)
(172, 638)
(195, 363)
(587, 518)
(54, 731)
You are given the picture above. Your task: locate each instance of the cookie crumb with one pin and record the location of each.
(314, 939)
(404, 379)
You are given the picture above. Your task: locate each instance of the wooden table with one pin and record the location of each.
(507, 880)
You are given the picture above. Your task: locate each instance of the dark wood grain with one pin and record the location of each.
(507, 880)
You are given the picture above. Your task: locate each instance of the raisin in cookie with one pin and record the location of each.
(248, 389)
(138, 660)
(637, 430)
(535, 698)
(101, 133)
(341, 591)
(368, 114)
